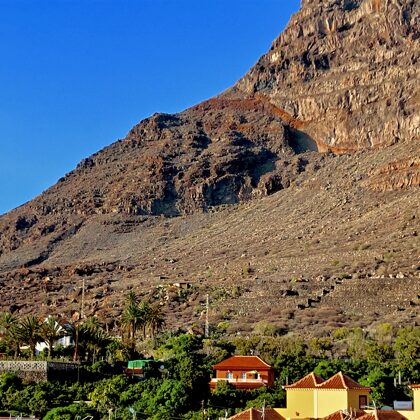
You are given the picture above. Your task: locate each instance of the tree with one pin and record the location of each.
(90, 338)
(69, 412)
(73, 330)
(107, 393)
(265, 328)
(132, 317)
(29, 331)
(8, 382)
(224, 395)
(93, 338)
(9, 324)
(321, 346)
(51, 331)
(156, 319)
(171, 399)
(144, 317)
(407, 351)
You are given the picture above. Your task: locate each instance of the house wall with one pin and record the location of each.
(354, 394)
(328, 401)
(299, 404)
(416, 400)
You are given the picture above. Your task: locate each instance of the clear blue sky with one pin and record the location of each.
(77, 75)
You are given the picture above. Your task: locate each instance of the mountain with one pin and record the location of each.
(292, 197)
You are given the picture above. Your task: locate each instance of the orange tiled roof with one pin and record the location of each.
(307, 382)
(340, 415)
(383, 415)
(242, 362)
(415, 386)
(254, 414)
(341, 381)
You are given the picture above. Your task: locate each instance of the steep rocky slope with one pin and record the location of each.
(291, 197)
(353, 63)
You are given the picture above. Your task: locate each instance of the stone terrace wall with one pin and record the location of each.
(38, 370)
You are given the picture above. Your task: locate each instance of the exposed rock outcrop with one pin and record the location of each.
(349, 70)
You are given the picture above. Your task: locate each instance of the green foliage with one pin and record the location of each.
(224, 395)
(28, 331)
(274, 397)
(264, 328)
(321, 346)
(106, 395)
(50, 332)
(407, 352)
(68, 413)
(171, 399)
(374, 357)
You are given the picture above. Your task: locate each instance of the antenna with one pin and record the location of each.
(206, 330)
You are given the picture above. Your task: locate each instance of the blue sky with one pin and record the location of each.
(76, 75)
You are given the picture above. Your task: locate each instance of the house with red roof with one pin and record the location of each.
(313, 397)
(244, 372)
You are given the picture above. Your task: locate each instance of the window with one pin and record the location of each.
(362, 401)
(243, 375)
(229, 375)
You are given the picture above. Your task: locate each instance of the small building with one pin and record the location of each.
(141, 369)
(244, 372)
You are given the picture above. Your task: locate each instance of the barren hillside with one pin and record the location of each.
(292, 197)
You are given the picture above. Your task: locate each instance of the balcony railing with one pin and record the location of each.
(241, 380)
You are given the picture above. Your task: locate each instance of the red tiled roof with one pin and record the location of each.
(242, 362)
(254, 414)
(341, 381)
(415, 386)
(383, 415)
(340, 415)
(307, 382)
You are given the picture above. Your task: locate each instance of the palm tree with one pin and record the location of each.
(8, 329)
(94, 338)
(51, 331)
(144, 316)
(156, 319)
(72, 329)
(29, 331)
(131, 316)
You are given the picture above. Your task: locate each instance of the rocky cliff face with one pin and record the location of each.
(342, 78)
(348, 70)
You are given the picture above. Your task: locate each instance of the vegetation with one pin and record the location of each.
(180, 388)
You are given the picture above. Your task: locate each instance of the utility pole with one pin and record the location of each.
(82, 311)
(206, 330)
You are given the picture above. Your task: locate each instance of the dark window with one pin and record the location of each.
(362, 401)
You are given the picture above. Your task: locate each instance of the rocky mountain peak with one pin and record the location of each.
(347, 70)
